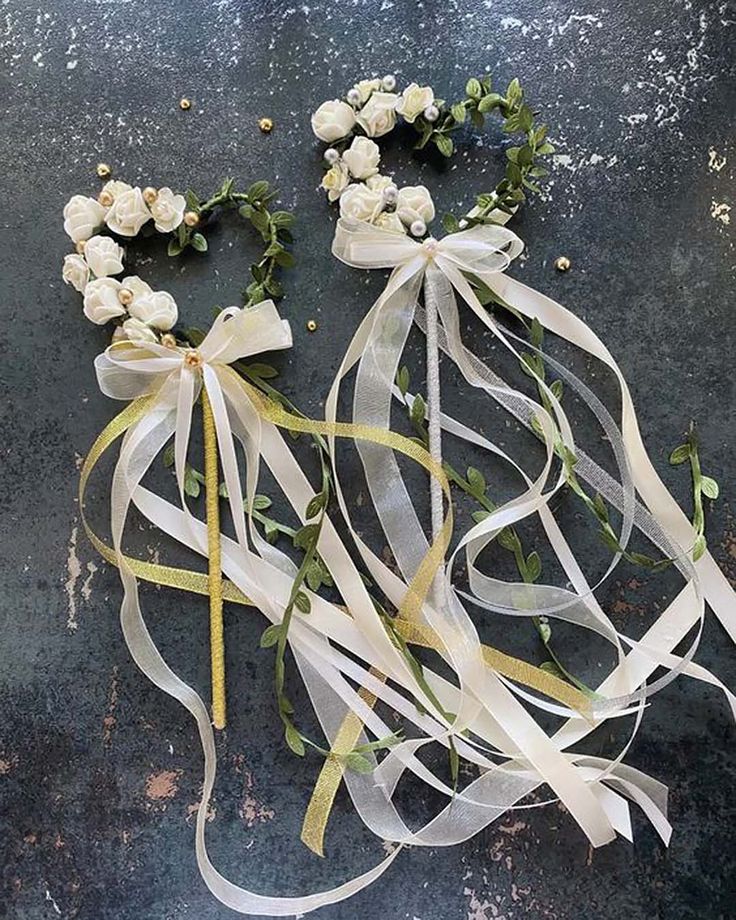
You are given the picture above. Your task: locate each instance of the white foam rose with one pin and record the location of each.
(101, 303)
(362, 158)
(333, 120)
(366, 87)
(82, 217)
(378, 115)
(128, 213)
(414, 203)
(103, 256)
(75, 272)
(414, 100)
(157, 309)
(335, 180)
(389, 220)
(168, 210)
(360, 203)
(116, 187)
(134, 330)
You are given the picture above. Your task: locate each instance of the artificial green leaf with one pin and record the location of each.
(294, 739)
(261, 502)
(709, 487)
(270, 636)
(450, 223)
(473, 88)
(302, 603)
(282, 219)
(258, 190)
(489, 102)
(358, 763)
(199, 242)
(533, 567)
(480, 515)
(418, 408)
(174, 247)
(458, 112)
(402, 379)
(699, 547)
(169, 455)
(444, 144)
(476, 480)
(264, 371)
(680, 454)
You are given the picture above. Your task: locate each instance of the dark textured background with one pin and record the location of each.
(99, 772)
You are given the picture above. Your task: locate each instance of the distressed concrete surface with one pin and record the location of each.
(99, 773)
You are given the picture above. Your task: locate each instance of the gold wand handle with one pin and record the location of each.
(217, 639)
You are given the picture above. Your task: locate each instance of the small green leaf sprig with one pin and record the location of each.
(252, 204)
(703, 487)
(522, 168)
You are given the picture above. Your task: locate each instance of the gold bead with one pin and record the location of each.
(192, 358)
(104, 170)
(105, 199)
(80, 246)
(562, 264)
(266, 125)
(168, 340)
(185, 103)
(191, 218)
(311, 325)
(125, 296)
(150, 194)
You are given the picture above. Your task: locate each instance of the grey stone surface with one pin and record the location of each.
(100, 773)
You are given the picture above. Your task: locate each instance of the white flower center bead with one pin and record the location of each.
(353, 97)
(418, 228)
(429, 245)
(431, 113)
(388, 83)
(331, 156)
(390, 194)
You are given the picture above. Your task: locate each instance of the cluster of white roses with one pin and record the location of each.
(372, 106)
(123, 210)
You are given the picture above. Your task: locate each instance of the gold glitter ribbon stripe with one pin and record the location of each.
(412, 631)
(214, 554)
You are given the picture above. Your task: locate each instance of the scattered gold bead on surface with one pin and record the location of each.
(562, 264)
(266, 125)
(191, 218)
(105, 199)
(168, 340)
(80, 246)
(185, 103)
(125, 296)
(192, 358)
(104, 170)
(150, 194)
(311, 325)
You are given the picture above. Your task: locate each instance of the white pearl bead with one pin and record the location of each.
(389, 83)
(390, 194)
(418, 228)
(431, 113)
(353, 96)
(331, 156)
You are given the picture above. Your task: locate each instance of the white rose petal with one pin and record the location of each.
(82, 217)
(101, 302)
(168, 210)
(134, 330)
(128, 213)
(362, 158)
(366, 87)
(115, 187)
(75, 272)
(335, 180)
(390, 221)
(378, 182)
(414, 203)
(414, 100)
(157, 309)
(103, 256)
(378, 115)
(333, 120)
(360, 203)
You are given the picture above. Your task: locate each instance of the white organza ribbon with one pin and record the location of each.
(453, 266)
